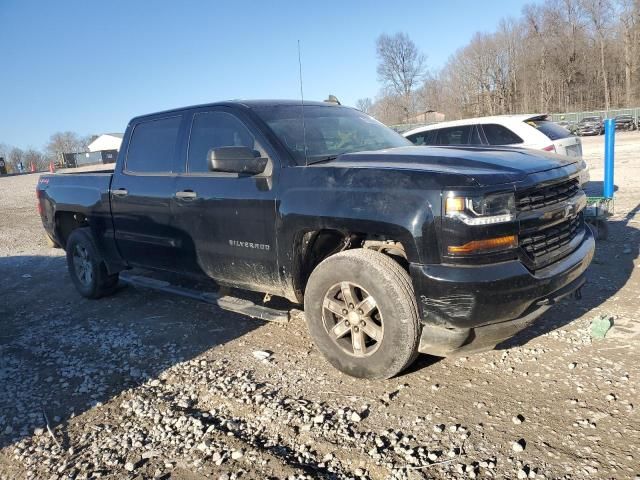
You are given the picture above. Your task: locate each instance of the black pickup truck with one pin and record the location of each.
(393, 249)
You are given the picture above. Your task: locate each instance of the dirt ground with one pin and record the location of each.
(142, 384)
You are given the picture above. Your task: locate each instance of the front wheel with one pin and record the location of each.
(88, 272)
(362, 315)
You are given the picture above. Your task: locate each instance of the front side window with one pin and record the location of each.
(217, 129)
(499, 135)
(152, 147)
(328, 131)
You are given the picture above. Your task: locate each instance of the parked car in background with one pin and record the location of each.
(625, 122)
(590, 126)
(570, 126)
(528, 131)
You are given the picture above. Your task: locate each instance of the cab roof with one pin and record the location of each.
(242, 103)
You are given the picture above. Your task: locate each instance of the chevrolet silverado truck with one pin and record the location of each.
(393, 249)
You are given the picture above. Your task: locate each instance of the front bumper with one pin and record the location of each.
(461, 305)
(589, 131)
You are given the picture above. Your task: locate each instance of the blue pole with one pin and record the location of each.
(609, 142)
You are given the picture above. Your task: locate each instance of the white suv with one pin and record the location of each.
(529, 131)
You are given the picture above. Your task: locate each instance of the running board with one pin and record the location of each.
(231, 304)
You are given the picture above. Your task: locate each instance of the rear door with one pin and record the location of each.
(427, 137)
(228, 220)
(141, 192)
(459, 135)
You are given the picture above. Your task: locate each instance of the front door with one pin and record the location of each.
(227, 220)
(141, 193)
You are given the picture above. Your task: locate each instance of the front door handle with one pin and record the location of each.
(186, 195)
(120, 192)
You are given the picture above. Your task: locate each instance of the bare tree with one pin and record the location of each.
(629, 20)
(35, 158)
(600, 13)
(364, 105)
(401, 67)
(4, 151)
(16, 155)
(559, 55)
(65, 142)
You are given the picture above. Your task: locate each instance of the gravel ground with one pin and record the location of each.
(143, 385)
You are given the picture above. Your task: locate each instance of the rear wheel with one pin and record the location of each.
(362, 314)
(88, 272)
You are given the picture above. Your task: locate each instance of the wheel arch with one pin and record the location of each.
(65, 222)
(311, 246)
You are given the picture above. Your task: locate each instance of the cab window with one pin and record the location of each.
(153, 145)
(217, 129)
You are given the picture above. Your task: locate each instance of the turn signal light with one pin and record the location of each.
(498, 243)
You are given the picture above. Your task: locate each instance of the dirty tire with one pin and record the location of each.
(87, 270)
(51, 243)
(390, 286)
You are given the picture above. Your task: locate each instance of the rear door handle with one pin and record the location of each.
(186, 195)
(120, 192)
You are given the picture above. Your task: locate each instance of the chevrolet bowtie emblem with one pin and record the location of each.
(568, 210)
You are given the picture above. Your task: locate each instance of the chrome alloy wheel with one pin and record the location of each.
(352, 319)
(82, 265)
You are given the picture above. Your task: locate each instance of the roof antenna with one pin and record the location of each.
(304, 128)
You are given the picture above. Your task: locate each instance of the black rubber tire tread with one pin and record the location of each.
(103, 284)
(390, 360)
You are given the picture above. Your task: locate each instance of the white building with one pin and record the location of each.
(106, 141)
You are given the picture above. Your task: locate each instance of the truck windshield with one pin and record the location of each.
(329, 131)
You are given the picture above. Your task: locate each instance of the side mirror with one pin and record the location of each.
(241, 160)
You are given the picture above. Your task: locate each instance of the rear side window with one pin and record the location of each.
(552, 130)
(423, 138)
(152, 147)
(499, 135)
(217, 129)
(454, 135)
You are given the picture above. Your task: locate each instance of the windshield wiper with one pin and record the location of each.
(328, 158)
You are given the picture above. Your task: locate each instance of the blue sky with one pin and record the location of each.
(89, 66)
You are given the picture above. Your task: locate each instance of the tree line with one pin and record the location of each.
(59, 143)
(557, 56)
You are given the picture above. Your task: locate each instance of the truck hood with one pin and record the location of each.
(486, 165)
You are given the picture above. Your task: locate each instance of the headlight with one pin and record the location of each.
(486, 210)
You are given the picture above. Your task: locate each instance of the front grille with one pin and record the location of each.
(544, 245)
(548, 195)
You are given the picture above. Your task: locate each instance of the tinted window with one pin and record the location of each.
(329, 131)
(499, 135)
(153, 145)
(454, 135)
(552, 130)
(423, 138)
(217, 129)
(475, 137)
